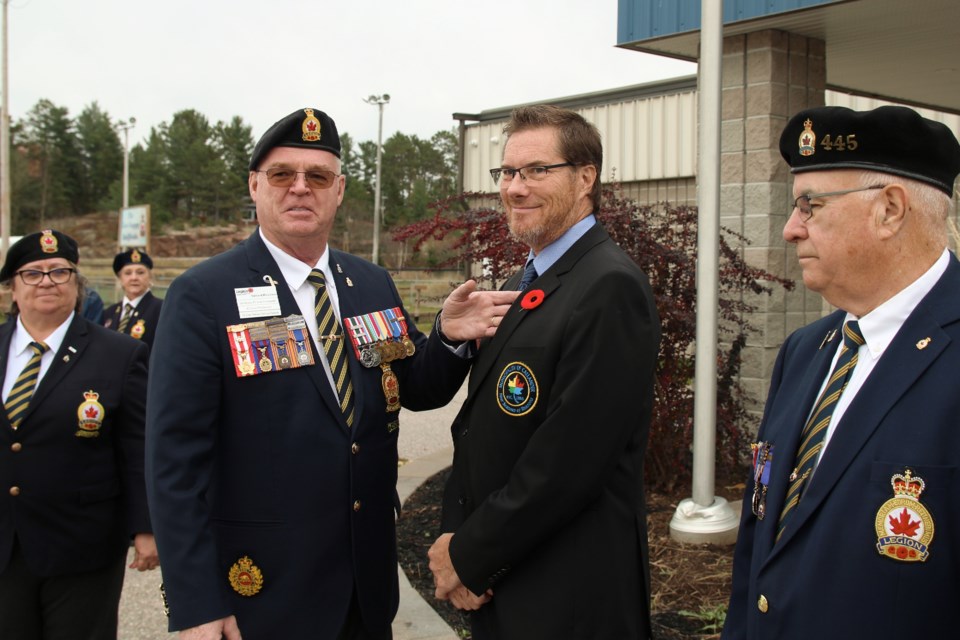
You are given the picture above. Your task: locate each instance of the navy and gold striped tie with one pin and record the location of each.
(19, 398)
(331, 336)
(125, 318)
(811, 438)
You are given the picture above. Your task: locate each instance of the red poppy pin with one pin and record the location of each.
(532, 299)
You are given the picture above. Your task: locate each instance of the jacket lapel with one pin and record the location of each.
(71, 350)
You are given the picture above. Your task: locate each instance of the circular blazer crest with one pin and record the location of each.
(245, 577)
(517, 389)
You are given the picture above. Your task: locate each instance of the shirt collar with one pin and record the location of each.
(133, 302)
(294, 271)
(880, 326)
(553, 251)
(22, 337)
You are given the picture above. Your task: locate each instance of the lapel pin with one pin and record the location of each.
(66, 358)
(339, 270)
(269, 280)
(827, 338)
(71, 349)
(349, 281)
(921, 345)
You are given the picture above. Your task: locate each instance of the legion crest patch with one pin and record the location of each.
(904, 526)
(517, 389)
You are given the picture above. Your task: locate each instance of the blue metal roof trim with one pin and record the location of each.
(639, 20)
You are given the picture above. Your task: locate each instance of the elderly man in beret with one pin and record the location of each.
(279, 369)
(851, 519)
(138, 313)
(71, 453)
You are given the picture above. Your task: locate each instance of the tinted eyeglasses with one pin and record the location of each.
(285, 176)
(33, 277)
(526, 173)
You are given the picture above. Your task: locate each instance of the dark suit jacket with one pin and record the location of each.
(265, 466)
(147, 310)
(81, 498)
(546, 499)
(826, 578)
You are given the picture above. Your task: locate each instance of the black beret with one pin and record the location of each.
(890, 139)
(131, 256)
(42, 245)
(306, 128)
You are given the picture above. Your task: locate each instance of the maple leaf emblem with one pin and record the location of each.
(903, 526)
(312, 126)
(806, 140)
(91, 412)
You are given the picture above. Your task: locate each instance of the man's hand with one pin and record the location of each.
(225, 628)
(144, 552)
(468, 314)
(446, 580)
(465, 600)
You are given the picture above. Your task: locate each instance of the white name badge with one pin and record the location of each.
(257, 302)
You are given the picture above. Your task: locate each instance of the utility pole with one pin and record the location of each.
(379, 101)
(4, 145)
(125, 126)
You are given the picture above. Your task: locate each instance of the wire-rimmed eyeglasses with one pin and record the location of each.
(33, 277)
(805, 206)
(285, 176)
(538, 172)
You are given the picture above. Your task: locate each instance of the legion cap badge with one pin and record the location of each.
(904, 526)
(245, 577)
(808, 139)
(135, 256)
(90, 415)
(310, 126)
(48, 241)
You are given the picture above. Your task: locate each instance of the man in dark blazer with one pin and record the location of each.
(273, 497)
(544, 513)
(138, 312)
(71, 453)
(851, 518)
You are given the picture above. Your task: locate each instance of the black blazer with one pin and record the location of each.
(546, 497)
(147, 312)
(265, 466)
(81, 496)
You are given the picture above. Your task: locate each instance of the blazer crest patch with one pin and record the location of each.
(904, 526)
(517, 389)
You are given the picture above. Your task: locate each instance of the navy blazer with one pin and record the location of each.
(546, 497)
(147, 312)
(81, 496)
(827, 577)
(265, 466)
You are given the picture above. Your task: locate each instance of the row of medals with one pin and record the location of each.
(382, 353)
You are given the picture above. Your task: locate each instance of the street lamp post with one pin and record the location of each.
(4, 146)
(125, 126)
(379, 101)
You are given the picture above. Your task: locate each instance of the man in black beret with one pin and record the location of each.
(138, 313)
(278, 371)
(851, 516)
(71, 453)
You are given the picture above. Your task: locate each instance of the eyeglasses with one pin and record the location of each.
(285, 176)
(526, 173)
(806, 207)
(34, 277)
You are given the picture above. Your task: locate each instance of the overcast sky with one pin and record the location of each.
(263, 60)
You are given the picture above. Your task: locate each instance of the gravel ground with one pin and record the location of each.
(141, 612)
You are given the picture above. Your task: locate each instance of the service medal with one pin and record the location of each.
(370, 357)
(904, 526)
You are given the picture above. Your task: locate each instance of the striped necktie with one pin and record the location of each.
(125, 318)
(811, 438)
(529, 275)
(331, 336)
(19, 398)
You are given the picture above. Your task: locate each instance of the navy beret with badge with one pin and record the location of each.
(41, 245)
(894, 140)
(305, 128)
(131, 256)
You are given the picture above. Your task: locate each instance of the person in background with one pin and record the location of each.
(138, 313)
(544, 514)
(71, 453)
(851, 517)
(92, 308)
(273, 412)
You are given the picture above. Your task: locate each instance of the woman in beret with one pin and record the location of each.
(138, 312)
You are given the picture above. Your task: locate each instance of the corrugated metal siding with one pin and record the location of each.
(645, 139)
(858, 103)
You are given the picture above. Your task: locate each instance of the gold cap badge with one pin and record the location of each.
(48, 241)
(808, 139)
(310, 127)
(135, 256)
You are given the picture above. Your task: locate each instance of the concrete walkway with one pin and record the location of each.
(425, 442)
